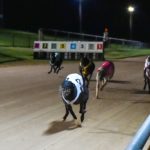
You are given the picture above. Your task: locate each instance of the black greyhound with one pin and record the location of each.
(147, 78)
(74, 92)
(86, 68)
(55, 62)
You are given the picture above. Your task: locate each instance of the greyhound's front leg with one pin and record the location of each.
(67, 112)
(50, 69)
(82, 117)
(90, 76)
(149, 86)
(97, 85)
(104, 82)
(82, 111)
(145, 83)
(55, 69)
(58, 69)
(72, 112)
(88, 81)
(97, 88)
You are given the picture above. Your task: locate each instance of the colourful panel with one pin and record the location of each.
(73, 46)
(91, 46)
(62, 46)
(99, 46)
(45, 45)
(82, 46)
(36, 45)
(53, 46)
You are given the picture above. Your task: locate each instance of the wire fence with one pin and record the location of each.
(65, 35)
(27, 40)
(14, 39)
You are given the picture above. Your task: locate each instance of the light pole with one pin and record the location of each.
(80, 16)
(130, 10)
(1, 13)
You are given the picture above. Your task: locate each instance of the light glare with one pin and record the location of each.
(130, 8)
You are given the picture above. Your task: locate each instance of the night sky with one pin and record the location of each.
(30, 15)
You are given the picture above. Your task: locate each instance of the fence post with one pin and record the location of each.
(141, 136)
(40, 34)
(13, 40)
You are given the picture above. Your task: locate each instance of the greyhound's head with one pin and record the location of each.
(68, 90)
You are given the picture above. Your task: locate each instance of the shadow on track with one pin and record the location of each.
(140, 92)
(58, 126)
(119, 81)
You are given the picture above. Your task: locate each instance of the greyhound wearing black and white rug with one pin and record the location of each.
(74, 91)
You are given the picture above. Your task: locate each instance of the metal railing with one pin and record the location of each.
(65, 35)
(141, 136)
(27, 40)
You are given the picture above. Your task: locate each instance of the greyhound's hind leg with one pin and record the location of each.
(55, 69)
(58, 69)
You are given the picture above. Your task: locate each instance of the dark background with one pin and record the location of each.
(30, 15)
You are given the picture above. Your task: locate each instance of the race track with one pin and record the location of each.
(31, 109)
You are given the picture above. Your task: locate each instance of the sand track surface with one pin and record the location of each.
(31, 109)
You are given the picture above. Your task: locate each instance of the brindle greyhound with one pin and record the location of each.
(86, 69)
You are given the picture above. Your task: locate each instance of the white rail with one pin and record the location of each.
(141, 136)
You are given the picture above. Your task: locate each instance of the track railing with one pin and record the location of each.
(141, 136)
